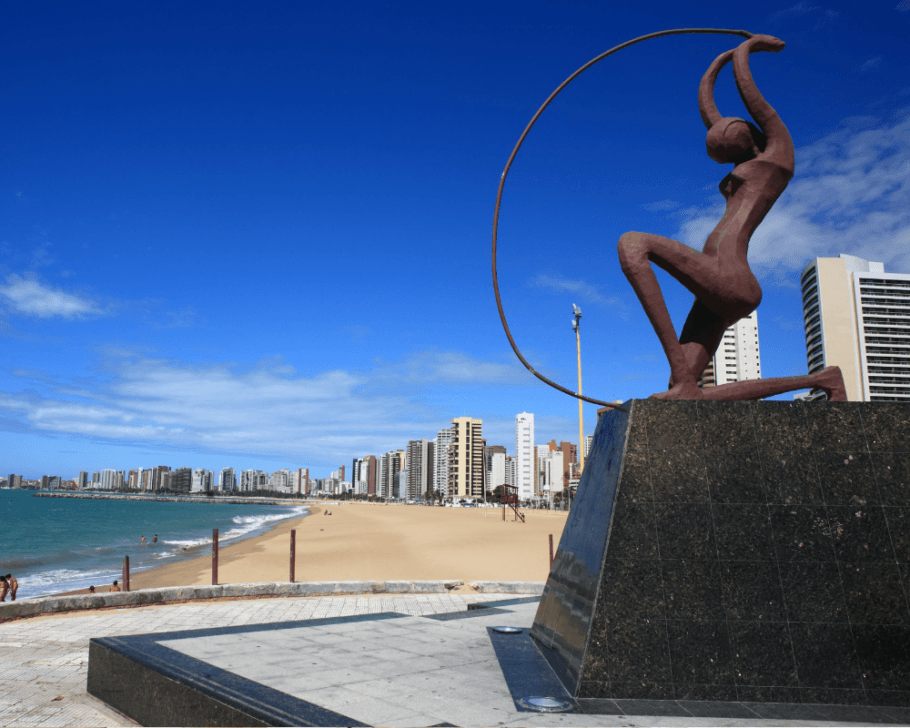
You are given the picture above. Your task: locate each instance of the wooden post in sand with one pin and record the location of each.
(551, 549)
(214, 556)
(126, 574)
(293, 552)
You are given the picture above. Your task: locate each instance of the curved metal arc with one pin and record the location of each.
(505, 172)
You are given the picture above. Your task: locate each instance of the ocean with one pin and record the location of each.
(53, 545)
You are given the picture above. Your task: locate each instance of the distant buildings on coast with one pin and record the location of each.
(456, 465)
(856, 317)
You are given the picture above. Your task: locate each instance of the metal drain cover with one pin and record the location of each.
(545, 705)
(507, 630)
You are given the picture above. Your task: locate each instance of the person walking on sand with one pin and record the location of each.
(115, 586)
(13, 586)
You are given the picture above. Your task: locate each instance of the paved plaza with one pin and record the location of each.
(411, 670)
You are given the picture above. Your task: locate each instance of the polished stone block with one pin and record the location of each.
(737, 551)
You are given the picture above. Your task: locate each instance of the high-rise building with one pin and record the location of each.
(202, 480)
(391, 463)
(441, 446)
(420, 468)
(466, 466)
(589, 442)
(107, 479)
(857, 317)
(495, 462)
(737, 355)
(82, 481)
(525, 467)
(280, 480)
(253, 480)
(181, 480)
(569, 454)
(15, 481)
(227, 480)
(297, 481)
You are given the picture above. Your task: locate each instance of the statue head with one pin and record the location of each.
(734, 140)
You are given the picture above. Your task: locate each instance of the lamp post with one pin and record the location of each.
(576, 327)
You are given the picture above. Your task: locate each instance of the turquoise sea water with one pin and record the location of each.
(59, 544)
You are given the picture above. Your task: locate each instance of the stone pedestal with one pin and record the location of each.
(741, 551)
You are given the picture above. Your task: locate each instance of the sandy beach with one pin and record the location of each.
(363, 541)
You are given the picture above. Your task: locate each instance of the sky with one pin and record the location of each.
(258, 235)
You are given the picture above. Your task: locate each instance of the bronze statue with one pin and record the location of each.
(724, 286)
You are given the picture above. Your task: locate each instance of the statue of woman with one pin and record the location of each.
(725, 288)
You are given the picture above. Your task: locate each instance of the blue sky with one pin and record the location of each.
(258, 234)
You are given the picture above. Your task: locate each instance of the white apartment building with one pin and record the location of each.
(280, 480)
(108, 479)
(202, 481)
(253, 480)
(496, 470)
(525, 467)
(737, 357)
(857, 317)
(444, 439)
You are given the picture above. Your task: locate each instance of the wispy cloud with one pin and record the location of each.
(851, 194)
(30, 297)
(903, 6)
(661, 206)
(795, 11)
(267, 409)
(584, 291)
(871, 64)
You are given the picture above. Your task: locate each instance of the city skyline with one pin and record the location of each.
(264, 238)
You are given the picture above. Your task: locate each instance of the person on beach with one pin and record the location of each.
(155, 538)
(13, 586)
(142, 539)
(115, 586)
(4, 588)
(91, 590)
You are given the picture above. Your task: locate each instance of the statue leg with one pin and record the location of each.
(727, 297)
(829, 380)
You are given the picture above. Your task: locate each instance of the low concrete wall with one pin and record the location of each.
(50, 605)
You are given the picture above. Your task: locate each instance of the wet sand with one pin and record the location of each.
(378, 542)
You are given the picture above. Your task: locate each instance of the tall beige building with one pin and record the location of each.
(466, 466)
(858, 318)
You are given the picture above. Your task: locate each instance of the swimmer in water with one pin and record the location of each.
(719, 276)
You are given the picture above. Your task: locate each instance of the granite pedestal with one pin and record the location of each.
(737, 551)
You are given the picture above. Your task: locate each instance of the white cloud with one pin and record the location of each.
(267, 409)
(661, 206)
(851, 194)
(30, 297)
(584, 291)
(795, 11)
(871, 64)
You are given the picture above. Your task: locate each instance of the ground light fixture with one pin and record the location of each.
(543, 704)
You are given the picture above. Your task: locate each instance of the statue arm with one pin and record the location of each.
(709, 113)
(779, 144)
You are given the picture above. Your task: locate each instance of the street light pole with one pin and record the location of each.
(581, 428)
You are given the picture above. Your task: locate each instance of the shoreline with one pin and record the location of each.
(377, 542)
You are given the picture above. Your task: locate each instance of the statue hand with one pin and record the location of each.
(765, 43)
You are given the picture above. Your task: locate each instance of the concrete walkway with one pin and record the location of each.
(44, 660)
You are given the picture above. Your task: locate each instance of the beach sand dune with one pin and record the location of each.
(378, 542)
